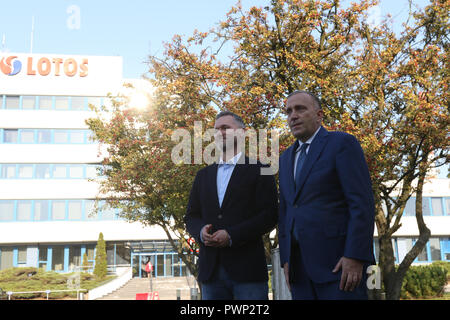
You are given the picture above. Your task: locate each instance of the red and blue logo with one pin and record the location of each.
(10, 66)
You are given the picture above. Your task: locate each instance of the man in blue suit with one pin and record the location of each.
(326, 218)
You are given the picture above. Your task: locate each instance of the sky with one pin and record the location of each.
(132, 29)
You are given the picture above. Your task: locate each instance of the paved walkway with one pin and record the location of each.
(166, 288)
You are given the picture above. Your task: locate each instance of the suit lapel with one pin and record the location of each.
(314, 151)
(212, 182)
(290, 159)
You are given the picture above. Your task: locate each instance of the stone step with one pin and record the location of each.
(166, 288)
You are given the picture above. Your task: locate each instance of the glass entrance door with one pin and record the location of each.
(164, 264)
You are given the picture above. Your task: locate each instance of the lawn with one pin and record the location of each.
(33, 279)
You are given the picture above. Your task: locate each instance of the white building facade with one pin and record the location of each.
(48, 161)
(436, 212)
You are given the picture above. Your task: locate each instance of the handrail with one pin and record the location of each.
(10, 293)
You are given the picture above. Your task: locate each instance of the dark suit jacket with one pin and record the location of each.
(332, 212)
(249, 210)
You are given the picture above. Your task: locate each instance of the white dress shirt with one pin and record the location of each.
(224, 172)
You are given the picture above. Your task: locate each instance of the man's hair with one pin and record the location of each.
(312, 95)
(236, 118)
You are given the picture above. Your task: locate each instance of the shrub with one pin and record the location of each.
(445, 265)
(424, 281)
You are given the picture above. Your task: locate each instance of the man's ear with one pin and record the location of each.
(320, 113)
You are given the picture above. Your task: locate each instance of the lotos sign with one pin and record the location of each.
(45, 66)
(59, 74)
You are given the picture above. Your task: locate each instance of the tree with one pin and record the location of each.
(141, 178)
(85, 265)
(389, 90)
(400, 114)
(101, 267)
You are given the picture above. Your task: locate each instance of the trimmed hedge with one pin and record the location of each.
(33, 279)
(424, 281)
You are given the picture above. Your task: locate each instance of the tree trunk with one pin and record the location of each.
(392, 278)
(387, 265)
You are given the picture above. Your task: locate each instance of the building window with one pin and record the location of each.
(376, 249)
(28, 102)
(404, 245)
(10, 135)
(74, 257)
(95, 101)
(77, 103)
(9, 171)
(436, 205)
(44, 136)
(45, 102)
(59, 171)
(423, 255)
(26, 136)
(43, 254)
(24, 210)
(90, 252)
(58, 258)
(77, 136)
(61, 103)
(42, 171)
(26, 171)
(61, 136)
(447, 205)
(445, 247)
(58, 210)
(76, 172)
(89, 210)
(41, 209)
(12, 102)
(74, 210)
(426, 209)
(91, 171)
(435, 249)
(6, 210)
(6, 258)
(22, 256)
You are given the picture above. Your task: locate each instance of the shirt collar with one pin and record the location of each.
(309, 141)
(232, 161)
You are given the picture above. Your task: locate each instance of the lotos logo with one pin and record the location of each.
(9, 68)
(44, 66)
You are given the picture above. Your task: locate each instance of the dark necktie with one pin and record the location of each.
(300, 161)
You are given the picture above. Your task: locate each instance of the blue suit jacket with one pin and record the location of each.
(332, 211)
(249, 210)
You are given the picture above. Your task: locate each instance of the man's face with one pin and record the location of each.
(304, 118)
(224, 125)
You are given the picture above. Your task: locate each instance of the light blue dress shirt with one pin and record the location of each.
(224, 172)
(297, 151)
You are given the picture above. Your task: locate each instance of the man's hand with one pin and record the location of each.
(351, 273)
(206, 235)
(218, 239)
(221, 238)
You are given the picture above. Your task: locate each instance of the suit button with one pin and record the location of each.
(219, 216)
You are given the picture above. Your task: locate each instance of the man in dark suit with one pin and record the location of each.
(326, 218)
(231, 206)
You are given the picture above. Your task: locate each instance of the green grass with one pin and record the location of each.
(33, 279)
